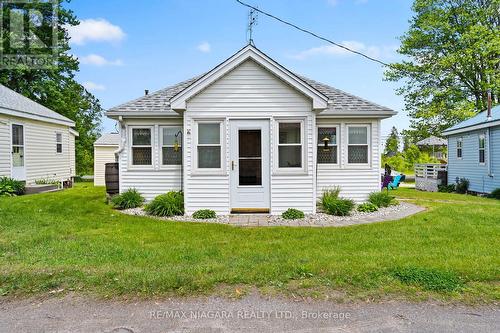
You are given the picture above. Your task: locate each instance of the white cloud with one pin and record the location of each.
(92, 86)
(97, 60)
(97, 30)
(332, 50)
(204, 47)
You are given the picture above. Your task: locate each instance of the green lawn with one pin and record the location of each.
(72, 240)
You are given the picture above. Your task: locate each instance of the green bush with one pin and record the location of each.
(329, 195)
(381, 199)
(10, 187)
(292, 214)
(338, 206)
(204, 214)
(446, 188)
(169, 204)
(367, 207)
(128, 199)
(495, 194)
(429, 279)
(462, 186)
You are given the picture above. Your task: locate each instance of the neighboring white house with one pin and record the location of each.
(35, 142)
(104, 152)
(250, 135)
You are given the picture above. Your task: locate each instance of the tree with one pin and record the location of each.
(55, 87)
(392, 143)
(452, 57)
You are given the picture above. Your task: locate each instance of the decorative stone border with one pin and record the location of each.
(395, 212)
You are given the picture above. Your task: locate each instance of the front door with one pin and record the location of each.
(249, 166)
(18, 168)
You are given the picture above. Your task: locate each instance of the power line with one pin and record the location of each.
(315, 35)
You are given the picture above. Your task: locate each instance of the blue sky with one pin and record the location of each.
(126, 46)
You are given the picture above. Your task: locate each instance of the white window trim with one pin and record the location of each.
(61, 143)
(461, 141)
(482, 137)
(130, 145)
(368, 143)
(321, 144)
(209, 171)
(11, 166)
(281, 170)
(181, 139)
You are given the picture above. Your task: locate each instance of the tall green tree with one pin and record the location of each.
(55, 87)
(452, 57)
(392, 143)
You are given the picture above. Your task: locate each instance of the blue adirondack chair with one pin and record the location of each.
(395, 183)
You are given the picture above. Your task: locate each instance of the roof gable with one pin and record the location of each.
(15, 104)
(319, 101)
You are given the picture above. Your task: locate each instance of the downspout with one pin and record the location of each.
(122, 138)
(488, 132)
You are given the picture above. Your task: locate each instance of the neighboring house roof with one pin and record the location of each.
(15, 104)
(477, 122)
(432, 141)
(338, 101)
(108, 139)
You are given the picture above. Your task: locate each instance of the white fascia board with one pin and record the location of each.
(26, 115)
(472, 128)
(178, 102)
(141, 114)
(358, 114)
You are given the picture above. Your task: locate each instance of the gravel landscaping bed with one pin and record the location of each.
(395, 212)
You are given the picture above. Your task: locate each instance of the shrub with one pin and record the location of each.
(10, 187)
(338, 206)
(495, 194)
(367, 207)
(204, 214)
(292, 214)
(462, 186)
(128, 199)
(329, 195)
(381, 199)
(446, 188)
(429, 279)
(168, 204)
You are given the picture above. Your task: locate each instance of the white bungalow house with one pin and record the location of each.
(36, 143)
(250, 135)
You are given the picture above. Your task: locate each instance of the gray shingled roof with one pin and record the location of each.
(11, 100)
(338, 100)
(108, 139)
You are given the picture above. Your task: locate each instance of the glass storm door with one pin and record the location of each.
(249, 165)
(18, 169)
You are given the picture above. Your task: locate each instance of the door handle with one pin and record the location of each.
(232, 165)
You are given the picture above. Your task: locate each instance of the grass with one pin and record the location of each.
(72, 240)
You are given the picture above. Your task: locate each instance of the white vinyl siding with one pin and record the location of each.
(102, 155)
(356, 181)
(249, 91)
(40, 157)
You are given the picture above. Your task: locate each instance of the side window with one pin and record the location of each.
(209, 148)
(357, 145)
(459, 147)
(59, 143)
(290, 145)
(482, 148)
(142, 149)
(327, 145)
(171, 145)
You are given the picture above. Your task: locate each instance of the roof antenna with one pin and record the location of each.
(252, 21)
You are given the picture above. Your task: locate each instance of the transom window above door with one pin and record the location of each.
(290, 143)
(209, 147)
(142, 148)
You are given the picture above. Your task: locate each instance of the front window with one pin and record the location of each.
(59, 143)
(171, 145)
(357, 145)
(142, 149)
(209, 145)
(482, 148)
(459, 147)
(290, 145)
(327, 145)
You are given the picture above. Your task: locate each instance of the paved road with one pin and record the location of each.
(251, 314)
